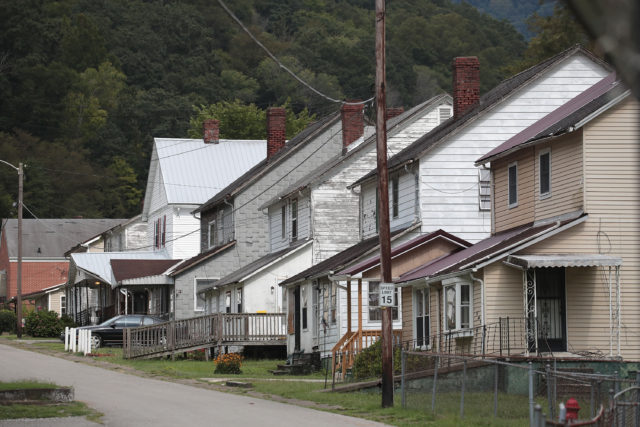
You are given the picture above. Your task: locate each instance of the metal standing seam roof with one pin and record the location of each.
(265, 165)
(242, 273)
(51, 238)
(320, 173)
(552, 123)
(497, 94)
(485, 249)
(98, 264)
(193, 171)
(411, 244)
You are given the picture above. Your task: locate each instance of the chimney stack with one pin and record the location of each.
(276, 129)
(394, 111)
(211, 131)
(466, 83)
(352, 123)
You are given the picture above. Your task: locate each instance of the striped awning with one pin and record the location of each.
(565, 260)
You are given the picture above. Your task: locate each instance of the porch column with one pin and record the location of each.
(359, 304)
(348, 305)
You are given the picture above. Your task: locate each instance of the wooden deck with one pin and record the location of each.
(207, 331)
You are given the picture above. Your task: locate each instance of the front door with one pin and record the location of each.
(296, 318)
(140, 301)
(550, 309)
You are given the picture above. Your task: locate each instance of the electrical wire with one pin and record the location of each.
(284, 67)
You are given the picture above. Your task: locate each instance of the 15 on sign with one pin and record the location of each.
(386, 294)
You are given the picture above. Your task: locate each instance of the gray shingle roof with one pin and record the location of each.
(51, 238)
(265, 165)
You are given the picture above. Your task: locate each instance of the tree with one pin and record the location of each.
(242, 121)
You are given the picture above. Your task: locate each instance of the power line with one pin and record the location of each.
(281, 65)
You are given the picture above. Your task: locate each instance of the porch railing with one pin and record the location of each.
(351, 344)
(204, 331)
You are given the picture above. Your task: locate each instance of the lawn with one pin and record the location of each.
(43, 410)
(512, 410)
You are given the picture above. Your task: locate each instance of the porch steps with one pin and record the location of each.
(300, 364)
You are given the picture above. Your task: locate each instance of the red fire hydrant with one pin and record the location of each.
(572, 409)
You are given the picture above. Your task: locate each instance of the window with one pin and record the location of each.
(304, 307)
(375, 313)
(545, 173)
(484, 188)
(421, 299)
(394, 197)
(63, 305)
(156, 234)
(294, 220)
(513, 185)
(164, 230)
(283, 222)
(458, 305)
(334, 302)
(238, 300)
(212, 233)
(199, 299)
(227, 302)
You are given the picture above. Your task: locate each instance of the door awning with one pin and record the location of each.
(565, 260)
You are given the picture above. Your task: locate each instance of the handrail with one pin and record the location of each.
(351, 344)
(203, 331)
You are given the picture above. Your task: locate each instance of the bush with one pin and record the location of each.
(229, 363)
(368, 364)
(7, 321)
(43, 324)
(67, 321)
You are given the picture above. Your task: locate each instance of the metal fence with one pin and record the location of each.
(482, 388)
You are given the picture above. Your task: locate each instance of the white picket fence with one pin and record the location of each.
(77, 340)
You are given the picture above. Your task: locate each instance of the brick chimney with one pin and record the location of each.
(352, 123)
(211, 131)
(466, 83)
(394, 111)
(276, 129)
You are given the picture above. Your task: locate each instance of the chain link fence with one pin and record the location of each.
(532, 393)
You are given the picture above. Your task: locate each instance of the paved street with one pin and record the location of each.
(128, 400)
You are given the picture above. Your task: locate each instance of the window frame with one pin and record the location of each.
(283, 221)
(63, 305)
(484, 189)
(304, 308)
(513, 204)
(294, 219)
(239, 294)
(459, 305)
(544, 152)
(374, 296)
(195, 293)
(213, 224)
(395, 195)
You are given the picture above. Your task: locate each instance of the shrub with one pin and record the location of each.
(229, 363)
(368, 364)
(67, 321)
(43, 324)
(7, 321)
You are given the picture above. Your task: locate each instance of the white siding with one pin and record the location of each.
(406, 200)
(368, 210)
(304, 217)
(158, 194)
(278, 240)
(448, 178)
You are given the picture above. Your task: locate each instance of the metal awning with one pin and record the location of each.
(564, 260)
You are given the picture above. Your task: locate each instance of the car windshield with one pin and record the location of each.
(110, 321)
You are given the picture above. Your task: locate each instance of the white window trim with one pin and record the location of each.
(515, 204)
(398, 306)
(427, 290)
(480, 195)
(458, 331)
(548, 193)
(209, 236)
(195, 293)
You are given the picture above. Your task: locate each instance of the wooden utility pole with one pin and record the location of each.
(19, 283)
(383, 198)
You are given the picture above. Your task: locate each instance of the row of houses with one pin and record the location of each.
(515, 210)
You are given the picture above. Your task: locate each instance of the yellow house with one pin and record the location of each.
(560, 272)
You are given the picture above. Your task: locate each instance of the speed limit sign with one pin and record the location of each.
(386, 294)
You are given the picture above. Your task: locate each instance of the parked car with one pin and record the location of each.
(110, 331)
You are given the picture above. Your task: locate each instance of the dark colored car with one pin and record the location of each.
(110, 331)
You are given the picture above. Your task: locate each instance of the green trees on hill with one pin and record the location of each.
(86, 85)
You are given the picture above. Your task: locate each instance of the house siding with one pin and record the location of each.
(449, 196)
(251, 225)
(524, 212)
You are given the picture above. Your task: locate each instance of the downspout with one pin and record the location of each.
(475, 279)
(618, 305)
(610, 317)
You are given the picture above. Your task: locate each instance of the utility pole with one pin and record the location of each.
(19, 284)
(383, 198)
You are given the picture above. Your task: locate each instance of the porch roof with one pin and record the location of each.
(565, 260)
(142, 271)
(98, 264)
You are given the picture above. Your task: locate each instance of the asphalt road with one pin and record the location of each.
(128, 400)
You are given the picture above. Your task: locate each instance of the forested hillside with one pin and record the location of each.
(85, 85)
